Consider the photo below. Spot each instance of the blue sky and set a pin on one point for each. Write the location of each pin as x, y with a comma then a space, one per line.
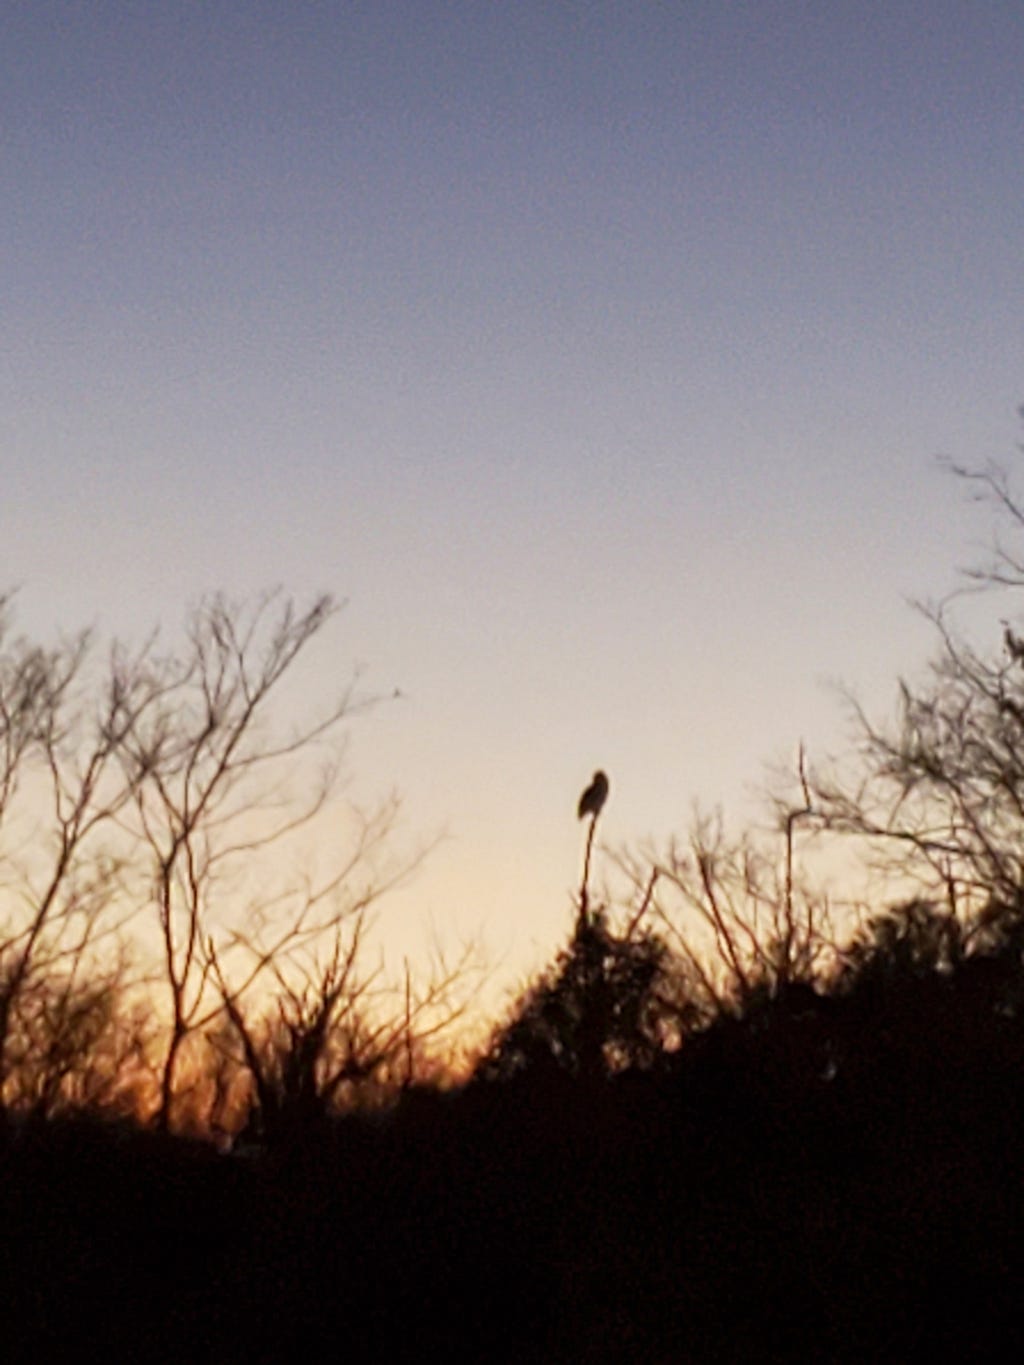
597, 354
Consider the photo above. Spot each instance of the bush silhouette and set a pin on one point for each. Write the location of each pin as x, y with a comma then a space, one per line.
599, 1009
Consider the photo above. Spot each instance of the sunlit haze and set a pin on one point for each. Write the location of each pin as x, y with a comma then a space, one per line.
598, 355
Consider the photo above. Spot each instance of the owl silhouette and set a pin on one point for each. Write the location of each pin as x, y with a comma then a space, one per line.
594, 797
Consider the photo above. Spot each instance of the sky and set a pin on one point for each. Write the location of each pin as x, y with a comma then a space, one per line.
597, 355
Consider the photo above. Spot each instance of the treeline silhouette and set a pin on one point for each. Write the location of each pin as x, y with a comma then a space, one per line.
824, 1168
714, 1129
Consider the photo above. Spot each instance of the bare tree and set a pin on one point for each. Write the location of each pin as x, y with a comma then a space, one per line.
740, 915
79, 1041
161, 787
213, 791
60, 751
939, 795
334, 1032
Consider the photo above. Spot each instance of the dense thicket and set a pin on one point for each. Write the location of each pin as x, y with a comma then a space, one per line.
826, 1172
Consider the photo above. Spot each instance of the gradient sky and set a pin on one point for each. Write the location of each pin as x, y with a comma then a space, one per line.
597, 353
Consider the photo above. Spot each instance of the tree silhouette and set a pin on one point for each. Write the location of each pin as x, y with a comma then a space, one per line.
940, 794
609, 1002
152, 785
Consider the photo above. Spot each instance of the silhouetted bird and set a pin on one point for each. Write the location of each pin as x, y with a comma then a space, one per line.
594, 797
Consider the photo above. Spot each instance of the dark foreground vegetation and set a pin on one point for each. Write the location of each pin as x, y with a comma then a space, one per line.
716, 1129
826, 1175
